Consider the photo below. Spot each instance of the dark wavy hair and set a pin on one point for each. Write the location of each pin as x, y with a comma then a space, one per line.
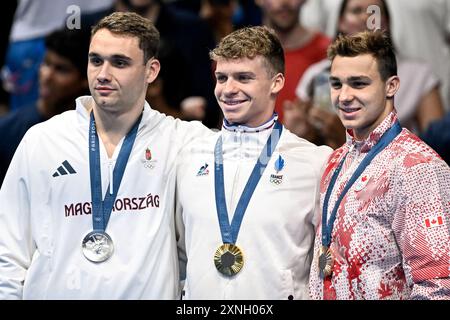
133, 25
376, 43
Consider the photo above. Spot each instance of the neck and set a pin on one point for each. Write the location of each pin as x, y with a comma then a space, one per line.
363, 134
112, 127
48, 110
265, 118
295, 38
44, 109
221, 29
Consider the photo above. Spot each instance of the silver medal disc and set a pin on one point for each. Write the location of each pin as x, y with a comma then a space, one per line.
97, 246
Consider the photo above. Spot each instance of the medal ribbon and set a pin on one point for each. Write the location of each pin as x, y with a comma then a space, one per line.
387, 137
101, 210
230, 232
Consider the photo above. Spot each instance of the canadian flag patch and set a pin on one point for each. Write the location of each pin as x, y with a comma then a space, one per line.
434, 221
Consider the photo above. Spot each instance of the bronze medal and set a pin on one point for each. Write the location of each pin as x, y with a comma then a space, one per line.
228, 259
326, 262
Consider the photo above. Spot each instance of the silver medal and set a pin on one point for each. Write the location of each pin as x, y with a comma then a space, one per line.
97, 246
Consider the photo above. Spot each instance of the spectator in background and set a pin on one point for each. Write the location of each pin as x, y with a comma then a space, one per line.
219, 15
62, 78
6, 19
420, 30
301, 45
418, 101
57, 230
246, 12
437, 136
33, 20
385, 194
187, 39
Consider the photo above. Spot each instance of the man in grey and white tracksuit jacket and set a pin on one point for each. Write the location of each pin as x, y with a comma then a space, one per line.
45, 211
56, 241
263, 251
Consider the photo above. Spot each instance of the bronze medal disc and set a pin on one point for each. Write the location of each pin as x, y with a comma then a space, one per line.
326, 262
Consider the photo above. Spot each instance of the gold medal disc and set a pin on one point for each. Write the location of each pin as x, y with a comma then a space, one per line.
228, 259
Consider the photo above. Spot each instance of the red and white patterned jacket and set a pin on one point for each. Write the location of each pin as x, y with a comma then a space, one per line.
391, 236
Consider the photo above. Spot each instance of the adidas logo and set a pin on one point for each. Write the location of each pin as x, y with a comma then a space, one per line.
66, 168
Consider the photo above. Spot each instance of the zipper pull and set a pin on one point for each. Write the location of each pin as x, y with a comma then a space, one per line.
111, 177
239, 134
351, 148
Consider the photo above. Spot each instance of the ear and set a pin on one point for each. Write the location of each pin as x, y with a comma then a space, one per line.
152, 69
392, 86
277, 83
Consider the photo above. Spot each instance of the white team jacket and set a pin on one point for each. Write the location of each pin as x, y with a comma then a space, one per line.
45, 213
277, 231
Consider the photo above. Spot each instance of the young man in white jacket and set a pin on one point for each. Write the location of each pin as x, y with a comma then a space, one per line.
247, 196
86, 208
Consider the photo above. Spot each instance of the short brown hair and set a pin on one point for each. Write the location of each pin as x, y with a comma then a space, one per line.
250, 42
376, 43
133, 25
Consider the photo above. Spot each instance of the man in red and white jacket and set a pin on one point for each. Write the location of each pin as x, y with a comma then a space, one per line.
385, 194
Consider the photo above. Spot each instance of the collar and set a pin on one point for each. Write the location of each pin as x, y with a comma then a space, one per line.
235, 127
84, 107
368, 143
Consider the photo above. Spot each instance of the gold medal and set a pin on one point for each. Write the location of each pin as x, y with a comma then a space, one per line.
228, 259
326, 262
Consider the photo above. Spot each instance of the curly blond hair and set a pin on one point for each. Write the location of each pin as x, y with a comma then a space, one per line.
250, 42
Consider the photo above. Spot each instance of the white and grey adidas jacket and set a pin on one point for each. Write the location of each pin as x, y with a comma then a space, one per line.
277, 231
45, 212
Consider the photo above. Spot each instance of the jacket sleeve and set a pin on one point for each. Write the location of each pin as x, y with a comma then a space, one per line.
187, 131
16, 244
180, 227
181, 245
422, 228
323, 157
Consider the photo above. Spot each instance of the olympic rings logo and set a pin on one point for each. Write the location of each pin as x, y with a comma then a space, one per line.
276, 181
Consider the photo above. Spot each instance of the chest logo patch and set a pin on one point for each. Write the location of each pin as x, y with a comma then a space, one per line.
277, 178
435, 221
203, 171
148, 160
362, 182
